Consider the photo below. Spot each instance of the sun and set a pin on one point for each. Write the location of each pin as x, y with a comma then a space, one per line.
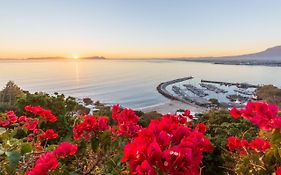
75, 57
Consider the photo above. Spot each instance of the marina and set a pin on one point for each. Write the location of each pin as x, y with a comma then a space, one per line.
212, 88
195, 90
239, 85
227, 94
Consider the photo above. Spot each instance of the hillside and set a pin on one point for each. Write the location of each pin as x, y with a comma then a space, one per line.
269, 57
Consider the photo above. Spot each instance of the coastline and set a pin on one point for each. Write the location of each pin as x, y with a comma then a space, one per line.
171, 106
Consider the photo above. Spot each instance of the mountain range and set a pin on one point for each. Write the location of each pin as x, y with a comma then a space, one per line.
270, 56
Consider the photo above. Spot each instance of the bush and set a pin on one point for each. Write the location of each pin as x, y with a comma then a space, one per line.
269, 93
221, 125
31, 143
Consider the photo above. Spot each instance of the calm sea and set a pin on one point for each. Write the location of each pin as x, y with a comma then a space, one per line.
131, 83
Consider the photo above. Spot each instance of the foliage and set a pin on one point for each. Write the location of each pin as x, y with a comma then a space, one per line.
31, 144
220, 126
9, 95
145, 118
269, 93
46, 134
260, 155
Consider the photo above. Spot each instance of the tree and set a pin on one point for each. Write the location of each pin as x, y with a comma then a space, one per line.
9, 95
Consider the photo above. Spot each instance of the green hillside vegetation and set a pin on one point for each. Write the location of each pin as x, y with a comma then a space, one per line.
270, 93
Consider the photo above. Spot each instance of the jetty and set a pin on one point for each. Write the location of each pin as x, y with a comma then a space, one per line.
162, 88
181, 95
195, 90
239, 85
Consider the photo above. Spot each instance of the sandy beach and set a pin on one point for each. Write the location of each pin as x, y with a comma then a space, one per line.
171, 106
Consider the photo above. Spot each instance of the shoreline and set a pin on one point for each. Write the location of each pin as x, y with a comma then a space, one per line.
171, 106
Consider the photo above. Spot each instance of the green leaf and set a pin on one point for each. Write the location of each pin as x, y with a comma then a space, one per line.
276, 137
26, 148
94, 143
13, 158
2, 130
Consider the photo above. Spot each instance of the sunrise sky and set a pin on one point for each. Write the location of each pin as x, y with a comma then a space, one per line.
137, 28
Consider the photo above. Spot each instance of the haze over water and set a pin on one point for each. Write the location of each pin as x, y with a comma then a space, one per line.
131, 83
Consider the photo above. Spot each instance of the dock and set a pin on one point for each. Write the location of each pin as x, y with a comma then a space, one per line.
239, 85
211, 87
195, 90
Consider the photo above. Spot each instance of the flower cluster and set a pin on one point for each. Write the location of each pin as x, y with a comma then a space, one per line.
242, 146
49, 134
90, 124
126, 121
259, 113
7, 119
38, 110
11, 118
167, 145
65, 149
48, 161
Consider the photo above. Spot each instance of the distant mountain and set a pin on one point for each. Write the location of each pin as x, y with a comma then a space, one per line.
270, 57
270, 52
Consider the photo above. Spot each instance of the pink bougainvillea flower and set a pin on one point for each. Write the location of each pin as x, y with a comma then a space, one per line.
65, 149
46, 163
38, 110
31, 124
90, 124
167, 145
264, 115
12, 117
201, 127
49, 134
259, 144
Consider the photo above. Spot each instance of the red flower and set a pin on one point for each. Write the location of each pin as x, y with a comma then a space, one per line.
46, 163
49, 134
4, 123
12, 117
23, 119
235, 113
167, 145
187, 114
145, 169
261, 114
154, 152
31, 124
201, 128
234, 143
278, 171
90, 124
38, 110
259, 144
102, 123
65, 149
127, 121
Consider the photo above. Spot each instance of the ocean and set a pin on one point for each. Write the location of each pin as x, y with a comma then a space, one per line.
131, 83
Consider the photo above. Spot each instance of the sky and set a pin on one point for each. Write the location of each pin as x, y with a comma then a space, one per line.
137, 28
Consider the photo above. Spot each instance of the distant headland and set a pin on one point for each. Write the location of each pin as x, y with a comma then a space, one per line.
58, 58
268, 57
